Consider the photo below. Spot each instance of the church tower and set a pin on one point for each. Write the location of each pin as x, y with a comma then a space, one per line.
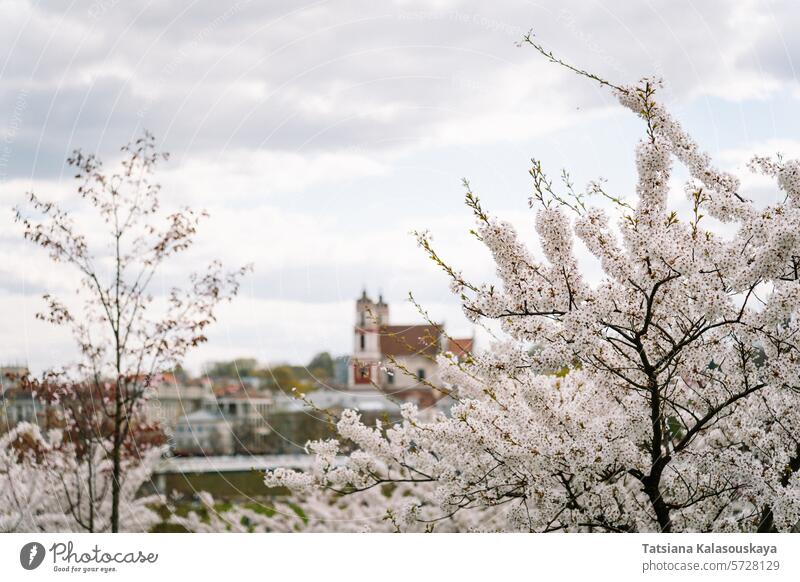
370, 316
382, 311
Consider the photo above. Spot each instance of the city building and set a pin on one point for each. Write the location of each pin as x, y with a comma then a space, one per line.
247, 414
170, 399
203, 432
17, 404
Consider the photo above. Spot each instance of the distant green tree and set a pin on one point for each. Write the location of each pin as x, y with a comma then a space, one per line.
237, 368
280, 378
321, 365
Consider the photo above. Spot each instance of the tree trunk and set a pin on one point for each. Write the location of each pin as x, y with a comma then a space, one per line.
653, 491
652, 482
116, 454
91, 488
767, 522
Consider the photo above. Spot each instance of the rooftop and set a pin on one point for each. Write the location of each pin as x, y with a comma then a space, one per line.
460, 347
409, 340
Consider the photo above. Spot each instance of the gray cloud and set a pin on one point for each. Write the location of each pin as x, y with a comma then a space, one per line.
331, 75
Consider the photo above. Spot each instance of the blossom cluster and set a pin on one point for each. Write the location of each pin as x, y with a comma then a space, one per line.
48, 486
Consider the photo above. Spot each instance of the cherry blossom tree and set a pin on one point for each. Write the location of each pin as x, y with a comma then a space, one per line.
72, 459
663, 397
48, 484
126, 335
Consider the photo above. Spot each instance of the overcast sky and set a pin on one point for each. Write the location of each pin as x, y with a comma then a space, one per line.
318, 134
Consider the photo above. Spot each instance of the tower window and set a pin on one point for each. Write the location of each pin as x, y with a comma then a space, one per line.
421, 373
362, 341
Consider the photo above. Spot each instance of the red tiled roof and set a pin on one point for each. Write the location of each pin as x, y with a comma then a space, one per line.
408, 340
460, 347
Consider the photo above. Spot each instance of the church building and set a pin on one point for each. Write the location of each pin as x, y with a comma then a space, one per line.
398, 359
